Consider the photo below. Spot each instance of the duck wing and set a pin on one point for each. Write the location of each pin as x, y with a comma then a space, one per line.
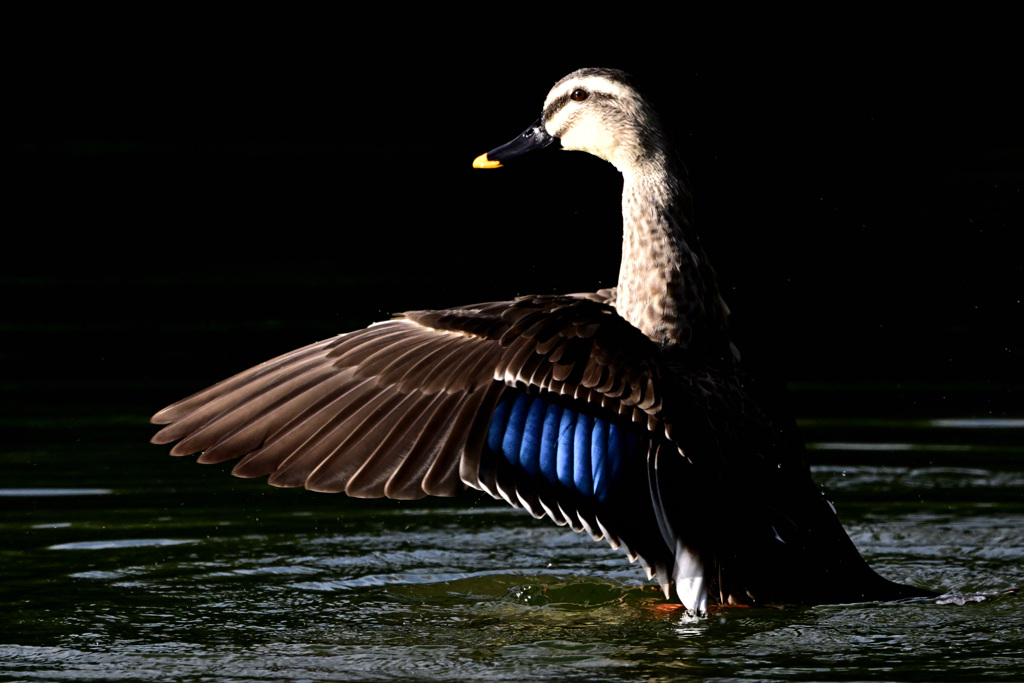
548, 402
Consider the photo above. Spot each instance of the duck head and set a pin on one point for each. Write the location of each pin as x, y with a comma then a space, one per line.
599, 111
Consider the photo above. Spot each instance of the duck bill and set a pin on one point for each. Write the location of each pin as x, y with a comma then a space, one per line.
534, 137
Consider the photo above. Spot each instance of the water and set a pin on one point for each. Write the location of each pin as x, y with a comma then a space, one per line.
121, 563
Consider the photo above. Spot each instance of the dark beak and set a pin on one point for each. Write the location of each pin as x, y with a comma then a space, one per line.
534, 137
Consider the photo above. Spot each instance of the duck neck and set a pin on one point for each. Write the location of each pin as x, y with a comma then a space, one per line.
666, 287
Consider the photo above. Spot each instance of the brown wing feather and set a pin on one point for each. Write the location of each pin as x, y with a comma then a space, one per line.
256, 377
401, 409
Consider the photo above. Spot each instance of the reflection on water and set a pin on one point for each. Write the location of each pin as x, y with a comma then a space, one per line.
157, 569
46, 493
977, 423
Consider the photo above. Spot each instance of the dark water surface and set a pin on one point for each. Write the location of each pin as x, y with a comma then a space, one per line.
118, 562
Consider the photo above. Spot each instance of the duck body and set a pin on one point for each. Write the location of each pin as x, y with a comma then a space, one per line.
623, 413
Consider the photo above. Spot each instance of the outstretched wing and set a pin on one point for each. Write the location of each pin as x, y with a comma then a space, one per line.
551, 403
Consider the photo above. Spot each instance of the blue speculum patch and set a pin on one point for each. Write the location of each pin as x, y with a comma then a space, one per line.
559, 445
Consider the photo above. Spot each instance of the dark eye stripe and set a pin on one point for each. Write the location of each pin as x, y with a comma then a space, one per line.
559, 102
555, 106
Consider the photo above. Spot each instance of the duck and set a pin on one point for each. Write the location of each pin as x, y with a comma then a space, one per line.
624, 413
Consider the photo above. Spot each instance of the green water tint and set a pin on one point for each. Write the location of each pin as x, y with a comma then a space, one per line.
119, 562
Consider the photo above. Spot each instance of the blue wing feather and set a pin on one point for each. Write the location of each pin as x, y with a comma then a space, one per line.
559, 446
599, 457
549, 443
581, 455
533, 438
496, 431
511, 444
566, 434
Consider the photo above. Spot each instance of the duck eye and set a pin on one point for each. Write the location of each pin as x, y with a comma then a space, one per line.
579, 94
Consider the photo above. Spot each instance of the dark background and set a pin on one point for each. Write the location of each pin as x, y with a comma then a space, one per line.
190, 194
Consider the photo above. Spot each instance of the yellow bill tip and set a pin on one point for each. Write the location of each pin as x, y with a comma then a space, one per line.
483, 162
